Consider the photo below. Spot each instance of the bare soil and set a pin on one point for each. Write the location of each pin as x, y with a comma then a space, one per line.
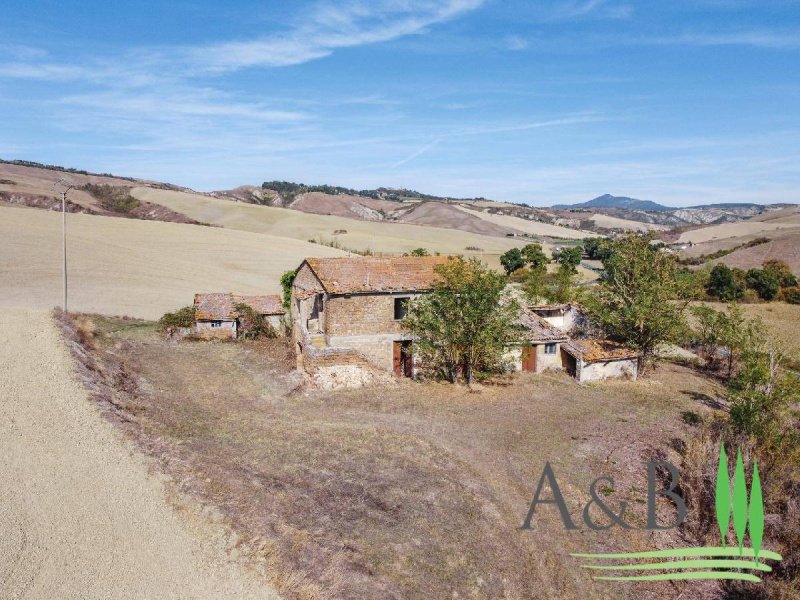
81, 514
414, 490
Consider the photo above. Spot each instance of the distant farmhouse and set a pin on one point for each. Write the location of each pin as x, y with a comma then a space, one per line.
346, 316
216, 315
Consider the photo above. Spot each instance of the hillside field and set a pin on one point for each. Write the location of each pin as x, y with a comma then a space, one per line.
136, 268
361, 235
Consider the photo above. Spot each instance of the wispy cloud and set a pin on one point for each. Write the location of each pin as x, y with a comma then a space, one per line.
416, 153
757, 38
328, 27
515, 42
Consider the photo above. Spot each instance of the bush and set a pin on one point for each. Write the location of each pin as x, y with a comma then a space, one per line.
764, 282
183, 317
791, 295
286, 285
113, 198
251, 324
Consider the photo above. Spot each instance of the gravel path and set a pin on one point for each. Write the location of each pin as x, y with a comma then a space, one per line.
80, 517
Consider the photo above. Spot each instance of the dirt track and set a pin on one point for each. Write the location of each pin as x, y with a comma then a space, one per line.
80, 517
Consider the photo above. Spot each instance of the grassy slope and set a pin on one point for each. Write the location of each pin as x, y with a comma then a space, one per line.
782, 320
618, 223
361, 235
751, 227
138, 268
531, 227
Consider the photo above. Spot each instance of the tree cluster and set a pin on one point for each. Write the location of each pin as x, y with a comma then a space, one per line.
767, 283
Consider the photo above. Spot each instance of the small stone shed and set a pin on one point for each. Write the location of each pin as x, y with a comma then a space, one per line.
346, 313
216, 316
597, 359
539, 346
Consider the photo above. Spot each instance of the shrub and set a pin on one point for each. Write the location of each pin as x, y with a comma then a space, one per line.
791, 295
183, 317
251, 324
286, 285
113, 198
722, 284
764, 282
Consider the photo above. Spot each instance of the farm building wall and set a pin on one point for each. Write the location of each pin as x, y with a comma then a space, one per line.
207, 330
544, 362
598, 371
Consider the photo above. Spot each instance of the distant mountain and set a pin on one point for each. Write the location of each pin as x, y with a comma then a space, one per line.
609, 201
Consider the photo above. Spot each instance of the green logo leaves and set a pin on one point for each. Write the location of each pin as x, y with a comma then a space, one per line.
746, 516
722, 562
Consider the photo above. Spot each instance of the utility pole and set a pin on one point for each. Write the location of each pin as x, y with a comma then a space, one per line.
63, 186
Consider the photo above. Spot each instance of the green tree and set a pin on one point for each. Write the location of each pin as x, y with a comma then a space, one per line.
764, 282
762, 393
722, 284
286, 285
596, 248
562, 289
709, 330
534, 285
639, 301
571, 257
512, 260
534, 256
781, 271
419, 252
466, 321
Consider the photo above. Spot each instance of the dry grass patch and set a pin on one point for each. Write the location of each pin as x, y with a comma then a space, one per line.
408, 491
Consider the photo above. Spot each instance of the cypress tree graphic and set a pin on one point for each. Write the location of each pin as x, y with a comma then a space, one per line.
739, 501
723, 494
756, 512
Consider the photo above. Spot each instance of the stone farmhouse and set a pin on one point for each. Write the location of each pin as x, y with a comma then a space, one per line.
216, 316
346, 315
539, 347
584, 354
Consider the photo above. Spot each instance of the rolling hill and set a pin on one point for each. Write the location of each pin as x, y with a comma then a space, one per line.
609, 201
137, 268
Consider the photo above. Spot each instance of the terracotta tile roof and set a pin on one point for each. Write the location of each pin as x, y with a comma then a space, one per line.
595, 350
536, 329
349, 275
264, 305
220, 306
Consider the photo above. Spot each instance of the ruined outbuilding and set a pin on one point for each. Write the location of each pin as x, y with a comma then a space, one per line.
216, 315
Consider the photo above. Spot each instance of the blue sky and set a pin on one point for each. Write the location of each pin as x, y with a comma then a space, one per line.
682, 102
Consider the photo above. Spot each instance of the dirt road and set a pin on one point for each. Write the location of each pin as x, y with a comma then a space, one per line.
80, 517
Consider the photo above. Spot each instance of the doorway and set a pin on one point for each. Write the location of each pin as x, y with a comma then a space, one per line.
529, 358
403, 359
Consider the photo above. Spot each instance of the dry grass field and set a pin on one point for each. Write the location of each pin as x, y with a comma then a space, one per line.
768, 224
361, 235
782, 321
530, 227
610, 222
415, 490
137, 268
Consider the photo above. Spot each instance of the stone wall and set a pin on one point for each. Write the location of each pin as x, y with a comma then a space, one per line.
333, 368
599, 371
362, 314
226, 330
544, 362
